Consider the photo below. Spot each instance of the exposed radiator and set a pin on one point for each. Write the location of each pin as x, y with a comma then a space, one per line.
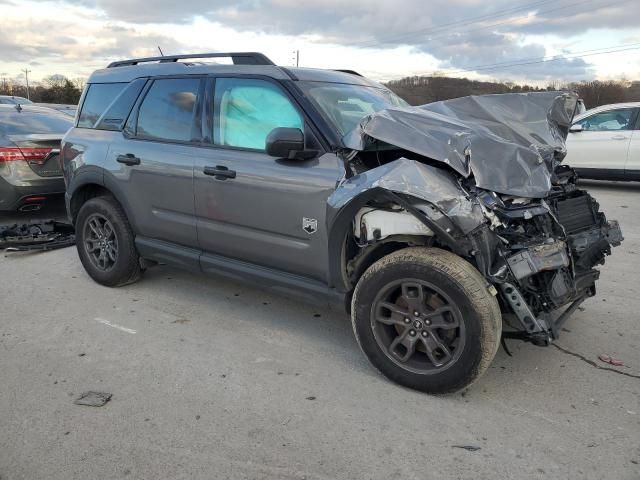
576, 214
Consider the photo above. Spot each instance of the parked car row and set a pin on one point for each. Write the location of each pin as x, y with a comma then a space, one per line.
427, 224
604, 143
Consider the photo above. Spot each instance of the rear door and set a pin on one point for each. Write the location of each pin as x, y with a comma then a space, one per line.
264, 210
602, 147
151, 161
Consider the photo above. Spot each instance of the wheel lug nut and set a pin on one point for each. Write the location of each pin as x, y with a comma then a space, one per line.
424, 333
427, 322
406, 320
416, 313
412, 333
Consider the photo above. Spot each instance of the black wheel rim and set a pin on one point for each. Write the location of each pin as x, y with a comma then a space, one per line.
417, 326
100, 242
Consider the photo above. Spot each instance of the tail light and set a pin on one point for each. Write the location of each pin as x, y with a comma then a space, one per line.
31, 155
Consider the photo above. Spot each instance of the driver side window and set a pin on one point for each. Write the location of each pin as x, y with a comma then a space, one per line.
246, 110
606, 121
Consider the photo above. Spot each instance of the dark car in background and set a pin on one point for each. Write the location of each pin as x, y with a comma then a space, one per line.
13, 100
29, 146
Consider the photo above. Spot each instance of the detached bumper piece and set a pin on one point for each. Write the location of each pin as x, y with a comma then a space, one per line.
40, 236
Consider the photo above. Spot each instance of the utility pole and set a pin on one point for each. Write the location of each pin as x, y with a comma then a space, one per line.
26, 76
297, 58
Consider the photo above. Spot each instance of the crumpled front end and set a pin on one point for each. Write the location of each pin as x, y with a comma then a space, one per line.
544, 262
482, 177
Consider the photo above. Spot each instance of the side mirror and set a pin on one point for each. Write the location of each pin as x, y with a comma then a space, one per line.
576, 128
288, 143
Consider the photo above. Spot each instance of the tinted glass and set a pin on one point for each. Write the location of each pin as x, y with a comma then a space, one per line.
344, 105
26, 123
247, 110
99, 96
606, 121
167, 110
117, 113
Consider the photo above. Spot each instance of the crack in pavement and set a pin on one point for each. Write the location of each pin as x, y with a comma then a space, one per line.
592, 363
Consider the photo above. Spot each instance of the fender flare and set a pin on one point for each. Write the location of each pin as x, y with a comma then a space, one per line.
93, 175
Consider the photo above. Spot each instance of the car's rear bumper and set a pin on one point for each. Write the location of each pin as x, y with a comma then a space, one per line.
14, 197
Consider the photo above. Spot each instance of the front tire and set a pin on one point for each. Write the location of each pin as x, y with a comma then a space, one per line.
105, 243
425, 318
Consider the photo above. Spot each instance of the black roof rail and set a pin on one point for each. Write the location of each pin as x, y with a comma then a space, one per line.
352, 72
239, 58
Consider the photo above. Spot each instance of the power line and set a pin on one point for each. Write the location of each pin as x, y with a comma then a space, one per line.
508, 21
565, 56
467, 21
522, 62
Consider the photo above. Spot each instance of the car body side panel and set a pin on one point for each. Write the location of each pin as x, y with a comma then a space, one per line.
598, 149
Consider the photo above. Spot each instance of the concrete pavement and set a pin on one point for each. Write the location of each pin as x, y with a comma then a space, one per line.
212, 379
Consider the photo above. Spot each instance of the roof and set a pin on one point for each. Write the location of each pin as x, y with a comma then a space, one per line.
127, 70
610, 106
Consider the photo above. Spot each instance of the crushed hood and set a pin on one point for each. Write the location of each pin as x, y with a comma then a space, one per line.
510, 143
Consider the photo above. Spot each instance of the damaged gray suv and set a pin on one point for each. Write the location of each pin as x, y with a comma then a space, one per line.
434, 226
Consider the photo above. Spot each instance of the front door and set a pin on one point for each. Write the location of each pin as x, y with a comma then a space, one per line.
253, 207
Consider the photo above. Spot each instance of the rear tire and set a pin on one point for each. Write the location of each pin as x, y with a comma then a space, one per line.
105, 243
425, 318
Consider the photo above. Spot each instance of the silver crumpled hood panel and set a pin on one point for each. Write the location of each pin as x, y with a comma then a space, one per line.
511, 143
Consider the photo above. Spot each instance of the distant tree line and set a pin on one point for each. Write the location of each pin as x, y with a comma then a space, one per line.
416, 90
421, 90
52, 89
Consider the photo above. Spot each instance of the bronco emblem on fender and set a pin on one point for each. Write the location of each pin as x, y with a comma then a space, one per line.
309, 225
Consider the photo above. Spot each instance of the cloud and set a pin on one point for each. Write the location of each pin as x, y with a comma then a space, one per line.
459, 34
384, 24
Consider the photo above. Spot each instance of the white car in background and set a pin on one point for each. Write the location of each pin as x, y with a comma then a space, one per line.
604, 143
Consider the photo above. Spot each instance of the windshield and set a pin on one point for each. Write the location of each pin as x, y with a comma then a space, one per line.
344, 105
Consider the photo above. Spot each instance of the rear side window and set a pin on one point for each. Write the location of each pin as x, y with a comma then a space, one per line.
99, 96
28, 123
167, 111
246, 110
116, 114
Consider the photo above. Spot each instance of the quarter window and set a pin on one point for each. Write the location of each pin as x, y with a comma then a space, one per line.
167, 111
612, 120
246, 110
98, 97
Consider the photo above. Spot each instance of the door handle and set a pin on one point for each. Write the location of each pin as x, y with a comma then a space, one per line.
128, 159
219, 172
619, 137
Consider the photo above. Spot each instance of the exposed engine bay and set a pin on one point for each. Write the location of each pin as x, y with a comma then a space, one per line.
534, 235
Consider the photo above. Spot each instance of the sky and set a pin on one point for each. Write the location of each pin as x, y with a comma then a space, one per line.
382, 39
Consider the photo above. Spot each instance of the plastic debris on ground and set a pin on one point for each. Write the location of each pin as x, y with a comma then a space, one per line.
610, 360
36, 236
